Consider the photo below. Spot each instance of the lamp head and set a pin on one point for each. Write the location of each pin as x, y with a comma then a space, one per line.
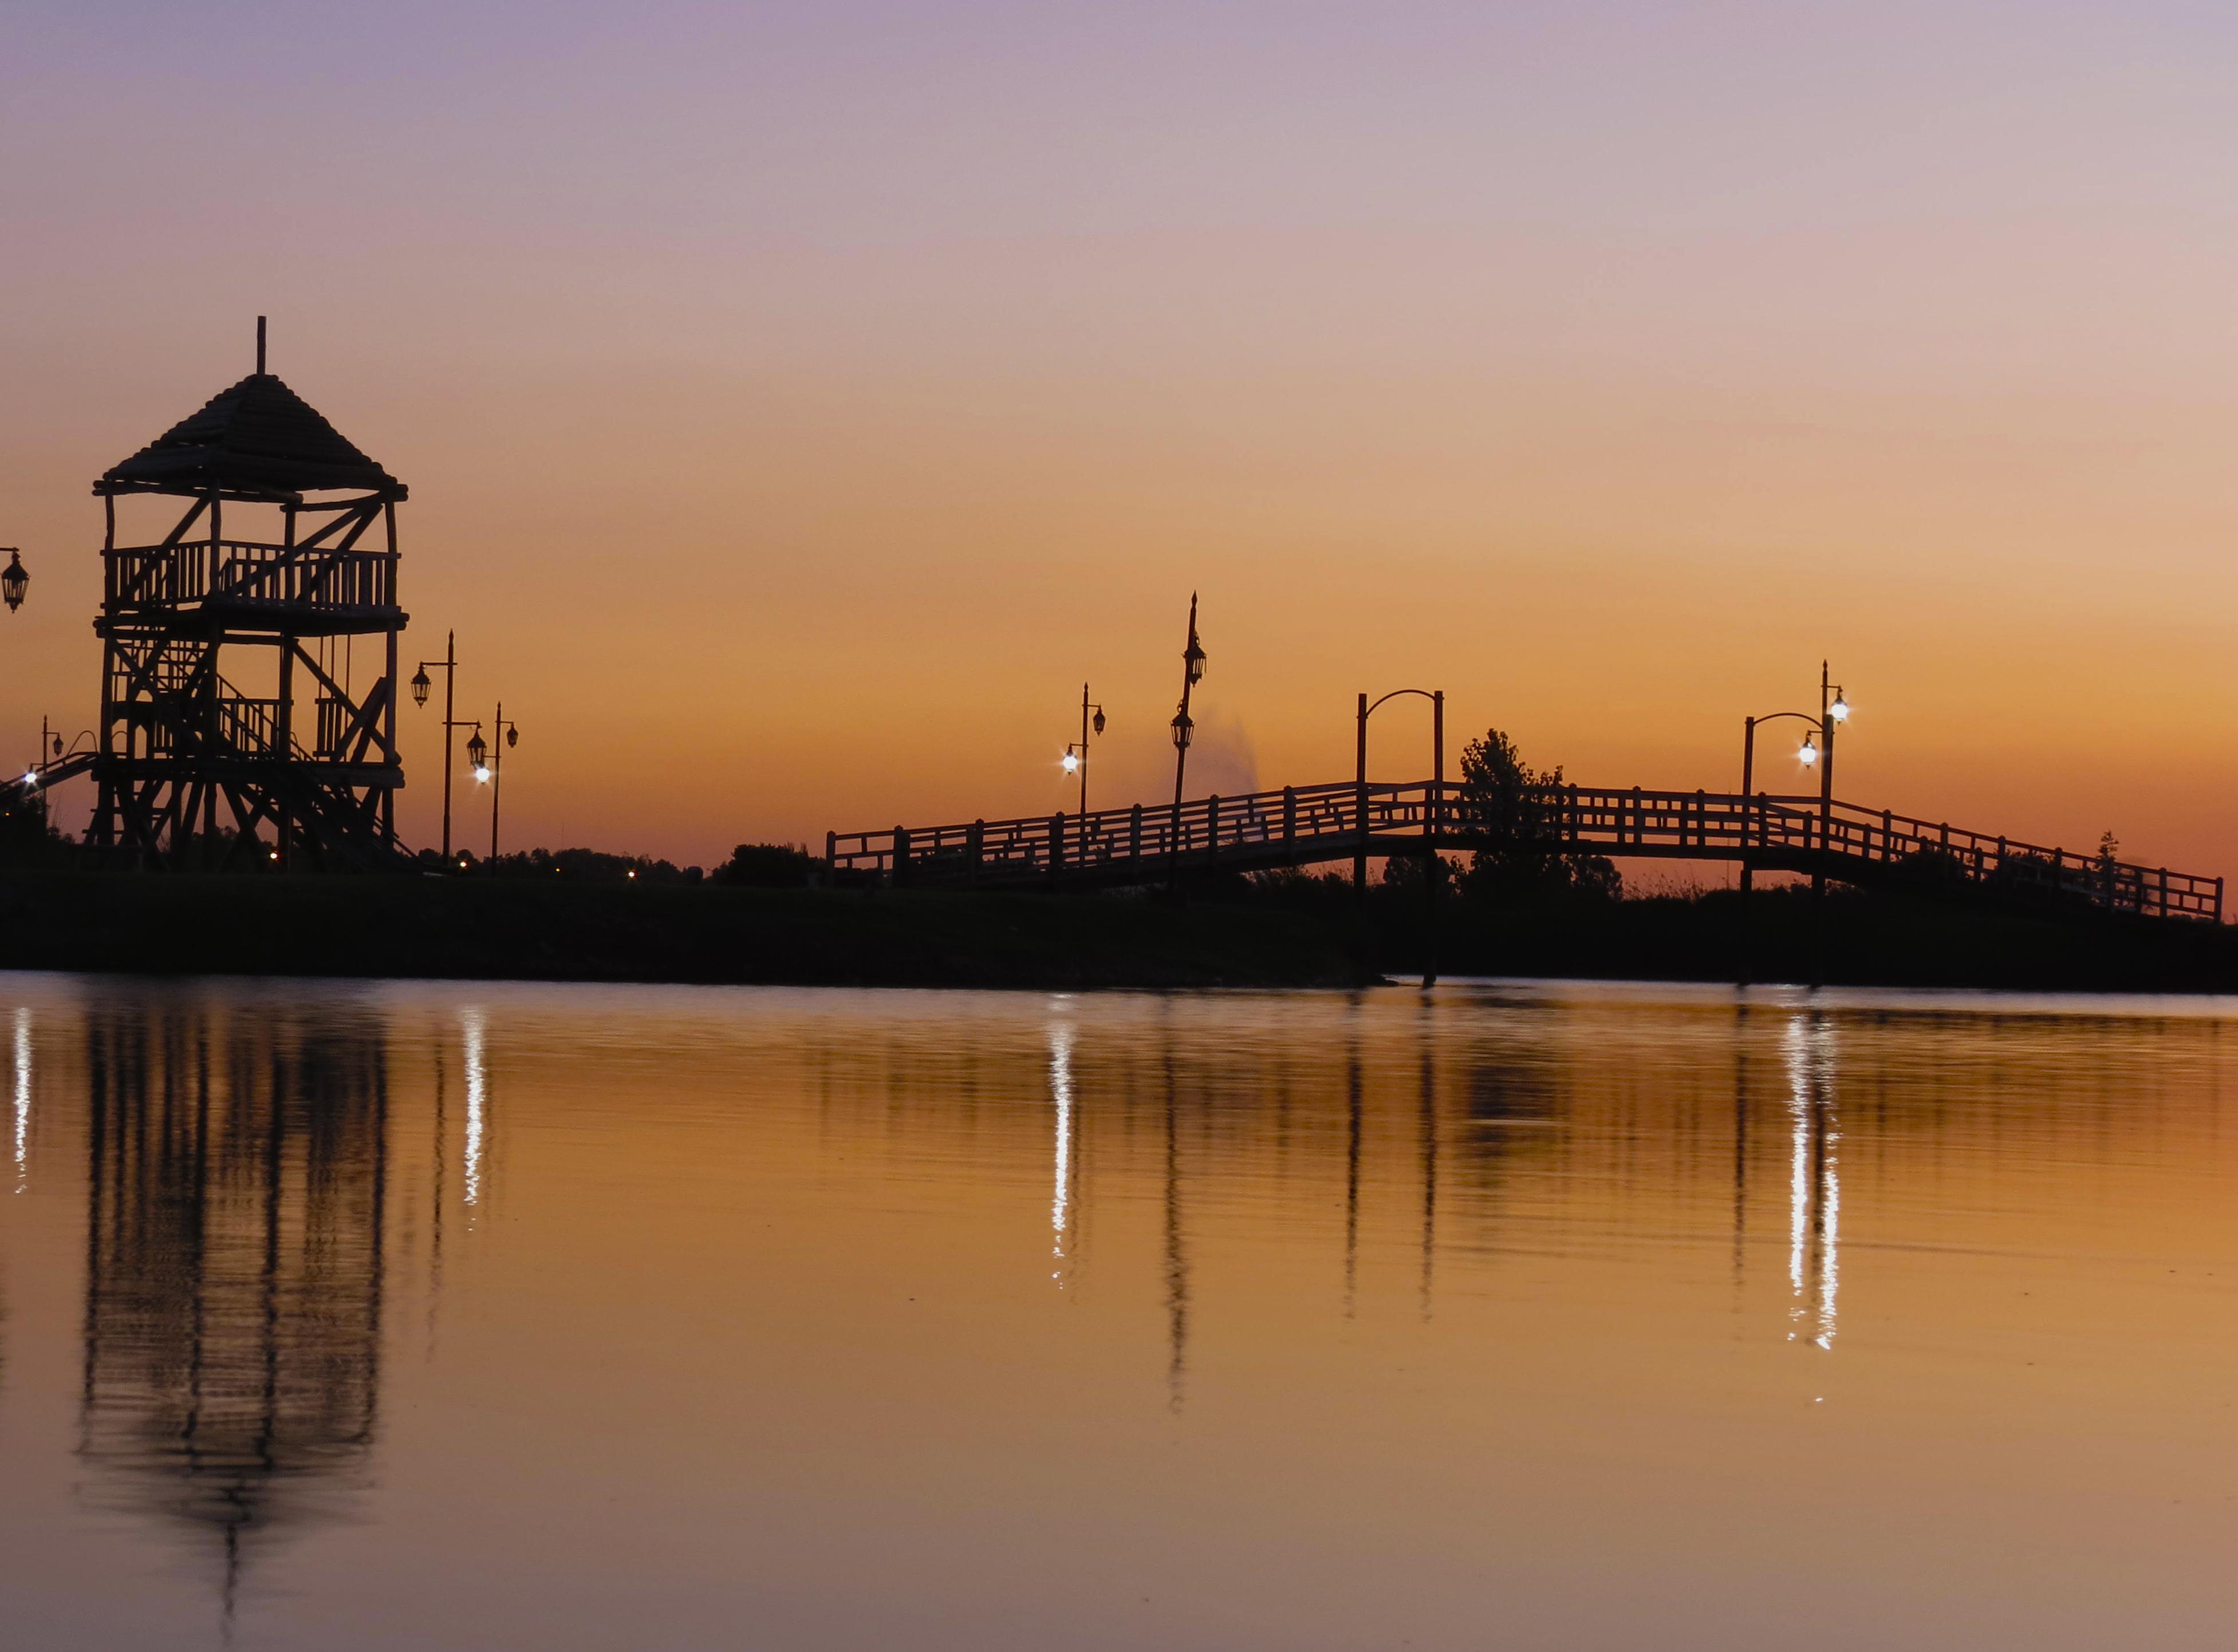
1071, 762
1840, 710
1194, 660
1183, 726
420, 686
1099, 719
14, 580
1809, 755
512, 735
477, 749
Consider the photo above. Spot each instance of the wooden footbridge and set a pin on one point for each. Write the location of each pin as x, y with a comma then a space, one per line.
1311, 825
1347, 820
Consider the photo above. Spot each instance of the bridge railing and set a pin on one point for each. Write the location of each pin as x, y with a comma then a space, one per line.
1305, 824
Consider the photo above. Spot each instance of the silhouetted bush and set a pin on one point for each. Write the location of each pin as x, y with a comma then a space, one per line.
768, 866
26, 839
583, 866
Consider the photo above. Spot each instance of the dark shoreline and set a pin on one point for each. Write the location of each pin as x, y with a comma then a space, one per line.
506, 929
516, 929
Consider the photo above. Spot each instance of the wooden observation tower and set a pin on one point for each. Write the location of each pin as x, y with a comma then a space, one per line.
237, 724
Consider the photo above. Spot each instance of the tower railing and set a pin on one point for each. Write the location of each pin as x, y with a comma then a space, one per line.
249, 572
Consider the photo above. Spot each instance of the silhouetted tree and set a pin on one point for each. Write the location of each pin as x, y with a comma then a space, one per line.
1514, 812
768, 866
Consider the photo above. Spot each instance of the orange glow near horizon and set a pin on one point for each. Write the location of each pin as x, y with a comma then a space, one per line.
778, 485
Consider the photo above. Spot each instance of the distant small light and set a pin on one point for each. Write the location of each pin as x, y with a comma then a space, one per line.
273, 854
632, 872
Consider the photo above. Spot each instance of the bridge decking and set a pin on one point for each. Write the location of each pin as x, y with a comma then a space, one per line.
1304, 825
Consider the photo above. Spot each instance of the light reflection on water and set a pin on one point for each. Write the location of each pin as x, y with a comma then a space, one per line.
835, 1319
22, 1118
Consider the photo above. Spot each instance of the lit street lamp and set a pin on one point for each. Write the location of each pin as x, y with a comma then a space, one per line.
1075, 756
1815, 752
13, 581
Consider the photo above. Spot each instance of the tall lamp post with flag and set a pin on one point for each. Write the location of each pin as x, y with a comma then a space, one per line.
1184, 729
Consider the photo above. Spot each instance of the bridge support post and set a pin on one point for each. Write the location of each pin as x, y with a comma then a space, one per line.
1134, 840
1289, 825
1431, 865
900, 856
1056, 847
1212, 829
1360, 810
975, 845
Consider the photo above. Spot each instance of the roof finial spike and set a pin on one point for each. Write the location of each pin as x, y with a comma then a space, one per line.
260, 346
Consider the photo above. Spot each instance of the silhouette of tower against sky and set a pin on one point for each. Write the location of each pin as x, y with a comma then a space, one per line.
237, 722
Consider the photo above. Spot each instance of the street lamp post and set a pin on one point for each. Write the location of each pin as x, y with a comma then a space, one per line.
1817, 752
509, 735
1433, 809
449, 663
14, 581
1076, 756
1184, 728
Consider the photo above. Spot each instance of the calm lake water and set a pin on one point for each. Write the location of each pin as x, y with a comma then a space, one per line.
453, 1315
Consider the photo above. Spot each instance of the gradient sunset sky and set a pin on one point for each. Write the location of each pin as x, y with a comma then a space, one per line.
798, 402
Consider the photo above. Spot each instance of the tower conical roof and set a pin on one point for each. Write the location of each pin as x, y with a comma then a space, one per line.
259, 439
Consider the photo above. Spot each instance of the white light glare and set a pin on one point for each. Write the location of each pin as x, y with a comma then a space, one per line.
481, 777
1808, 755
31, 777
1071, 763
1840, 711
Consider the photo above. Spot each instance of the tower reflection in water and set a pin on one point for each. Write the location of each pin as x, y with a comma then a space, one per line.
237, 1165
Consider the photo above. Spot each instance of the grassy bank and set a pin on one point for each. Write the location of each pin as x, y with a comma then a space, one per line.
516, 929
